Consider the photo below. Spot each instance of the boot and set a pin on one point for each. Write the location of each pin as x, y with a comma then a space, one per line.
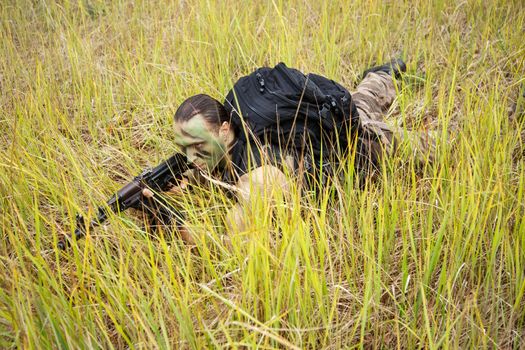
394, 67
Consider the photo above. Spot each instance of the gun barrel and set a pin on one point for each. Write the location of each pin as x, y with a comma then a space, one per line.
80, 229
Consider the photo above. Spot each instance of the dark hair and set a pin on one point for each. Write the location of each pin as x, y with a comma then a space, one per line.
211, 110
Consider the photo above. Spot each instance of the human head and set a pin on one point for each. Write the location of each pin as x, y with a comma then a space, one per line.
203, 131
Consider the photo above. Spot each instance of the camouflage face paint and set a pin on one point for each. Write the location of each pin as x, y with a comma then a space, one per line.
201, 143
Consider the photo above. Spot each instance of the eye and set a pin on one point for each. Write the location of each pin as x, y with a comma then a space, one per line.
200, 148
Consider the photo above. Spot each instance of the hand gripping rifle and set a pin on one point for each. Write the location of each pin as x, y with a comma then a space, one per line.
159, 179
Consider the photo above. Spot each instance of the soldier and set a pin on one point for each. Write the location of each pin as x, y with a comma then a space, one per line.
279, 120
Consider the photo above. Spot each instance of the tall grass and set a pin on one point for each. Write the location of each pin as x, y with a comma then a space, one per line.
420, 258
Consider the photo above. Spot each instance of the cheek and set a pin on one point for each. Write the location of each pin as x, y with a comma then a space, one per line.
215, 156
212, 150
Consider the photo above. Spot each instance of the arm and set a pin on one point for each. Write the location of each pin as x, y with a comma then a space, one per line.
264, 182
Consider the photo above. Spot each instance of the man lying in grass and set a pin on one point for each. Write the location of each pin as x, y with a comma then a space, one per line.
278, 120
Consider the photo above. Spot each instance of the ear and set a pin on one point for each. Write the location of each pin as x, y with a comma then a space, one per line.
224, 131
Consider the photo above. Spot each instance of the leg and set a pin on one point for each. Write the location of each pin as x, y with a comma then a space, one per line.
374, 96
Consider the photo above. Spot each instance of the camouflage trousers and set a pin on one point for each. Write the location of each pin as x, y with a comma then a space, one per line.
377, 138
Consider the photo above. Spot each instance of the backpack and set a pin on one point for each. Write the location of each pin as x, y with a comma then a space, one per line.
283, 106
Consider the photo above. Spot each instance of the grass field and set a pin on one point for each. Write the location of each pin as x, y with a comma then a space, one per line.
421, 258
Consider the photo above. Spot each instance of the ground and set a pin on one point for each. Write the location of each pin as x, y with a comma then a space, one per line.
419, 258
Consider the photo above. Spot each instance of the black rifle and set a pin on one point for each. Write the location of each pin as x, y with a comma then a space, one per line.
159, 179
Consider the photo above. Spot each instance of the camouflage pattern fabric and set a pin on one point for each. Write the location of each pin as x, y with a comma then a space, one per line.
376, 138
